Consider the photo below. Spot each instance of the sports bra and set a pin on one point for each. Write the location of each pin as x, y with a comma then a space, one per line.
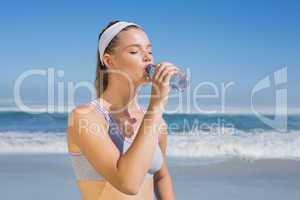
83, 168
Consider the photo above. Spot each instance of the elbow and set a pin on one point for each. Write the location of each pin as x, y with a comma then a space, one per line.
128, 182
129, 188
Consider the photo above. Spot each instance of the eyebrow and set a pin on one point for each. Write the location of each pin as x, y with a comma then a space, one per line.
138, 45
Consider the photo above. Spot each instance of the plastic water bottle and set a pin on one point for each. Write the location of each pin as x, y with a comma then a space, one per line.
178, 81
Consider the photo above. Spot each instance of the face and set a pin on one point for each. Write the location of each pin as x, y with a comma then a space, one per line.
132, 54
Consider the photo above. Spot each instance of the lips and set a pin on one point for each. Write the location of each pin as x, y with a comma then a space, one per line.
145, 66
145, 70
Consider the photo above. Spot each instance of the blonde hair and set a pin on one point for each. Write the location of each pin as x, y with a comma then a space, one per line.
101, 80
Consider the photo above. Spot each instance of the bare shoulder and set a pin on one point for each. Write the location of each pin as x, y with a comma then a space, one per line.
82, 110
84, 116
79, 111
73, 118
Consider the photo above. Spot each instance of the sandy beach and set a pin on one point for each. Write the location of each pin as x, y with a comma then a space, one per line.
50, 176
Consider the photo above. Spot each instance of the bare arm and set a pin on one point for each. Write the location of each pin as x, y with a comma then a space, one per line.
163, 186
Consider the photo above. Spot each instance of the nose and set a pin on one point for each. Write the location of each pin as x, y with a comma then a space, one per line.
147, 57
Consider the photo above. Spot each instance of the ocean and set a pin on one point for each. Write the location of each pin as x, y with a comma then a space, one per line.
209, 156
197, 136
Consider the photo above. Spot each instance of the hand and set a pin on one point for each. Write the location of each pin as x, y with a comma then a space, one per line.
160, 84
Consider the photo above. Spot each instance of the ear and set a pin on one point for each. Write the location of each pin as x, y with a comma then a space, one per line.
108, 61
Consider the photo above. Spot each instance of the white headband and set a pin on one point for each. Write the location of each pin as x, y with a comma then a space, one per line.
109, 34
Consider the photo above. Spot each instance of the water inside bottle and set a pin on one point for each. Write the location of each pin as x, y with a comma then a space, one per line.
178, 81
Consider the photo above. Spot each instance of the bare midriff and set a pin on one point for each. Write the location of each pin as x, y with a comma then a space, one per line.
100, 190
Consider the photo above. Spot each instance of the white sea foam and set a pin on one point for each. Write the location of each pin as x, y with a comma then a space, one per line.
17, 142
242, 145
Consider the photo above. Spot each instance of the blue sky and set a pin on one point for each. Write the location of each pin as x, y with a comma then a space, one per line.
219, 41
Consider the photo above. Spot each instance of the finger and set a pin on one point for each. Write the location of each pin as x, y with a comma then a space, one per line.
158, 70
165, 63
167, 77
165, 71
160, 66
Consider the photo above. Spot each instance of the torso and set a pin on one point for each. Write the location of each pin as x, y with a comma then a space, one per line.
99, 190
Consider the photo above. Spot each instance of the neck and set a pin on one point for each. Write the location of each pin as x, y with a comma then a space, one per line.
119, 98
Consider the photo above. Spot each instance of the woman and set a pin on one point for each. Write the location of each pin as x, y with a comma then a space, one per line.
117, 149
